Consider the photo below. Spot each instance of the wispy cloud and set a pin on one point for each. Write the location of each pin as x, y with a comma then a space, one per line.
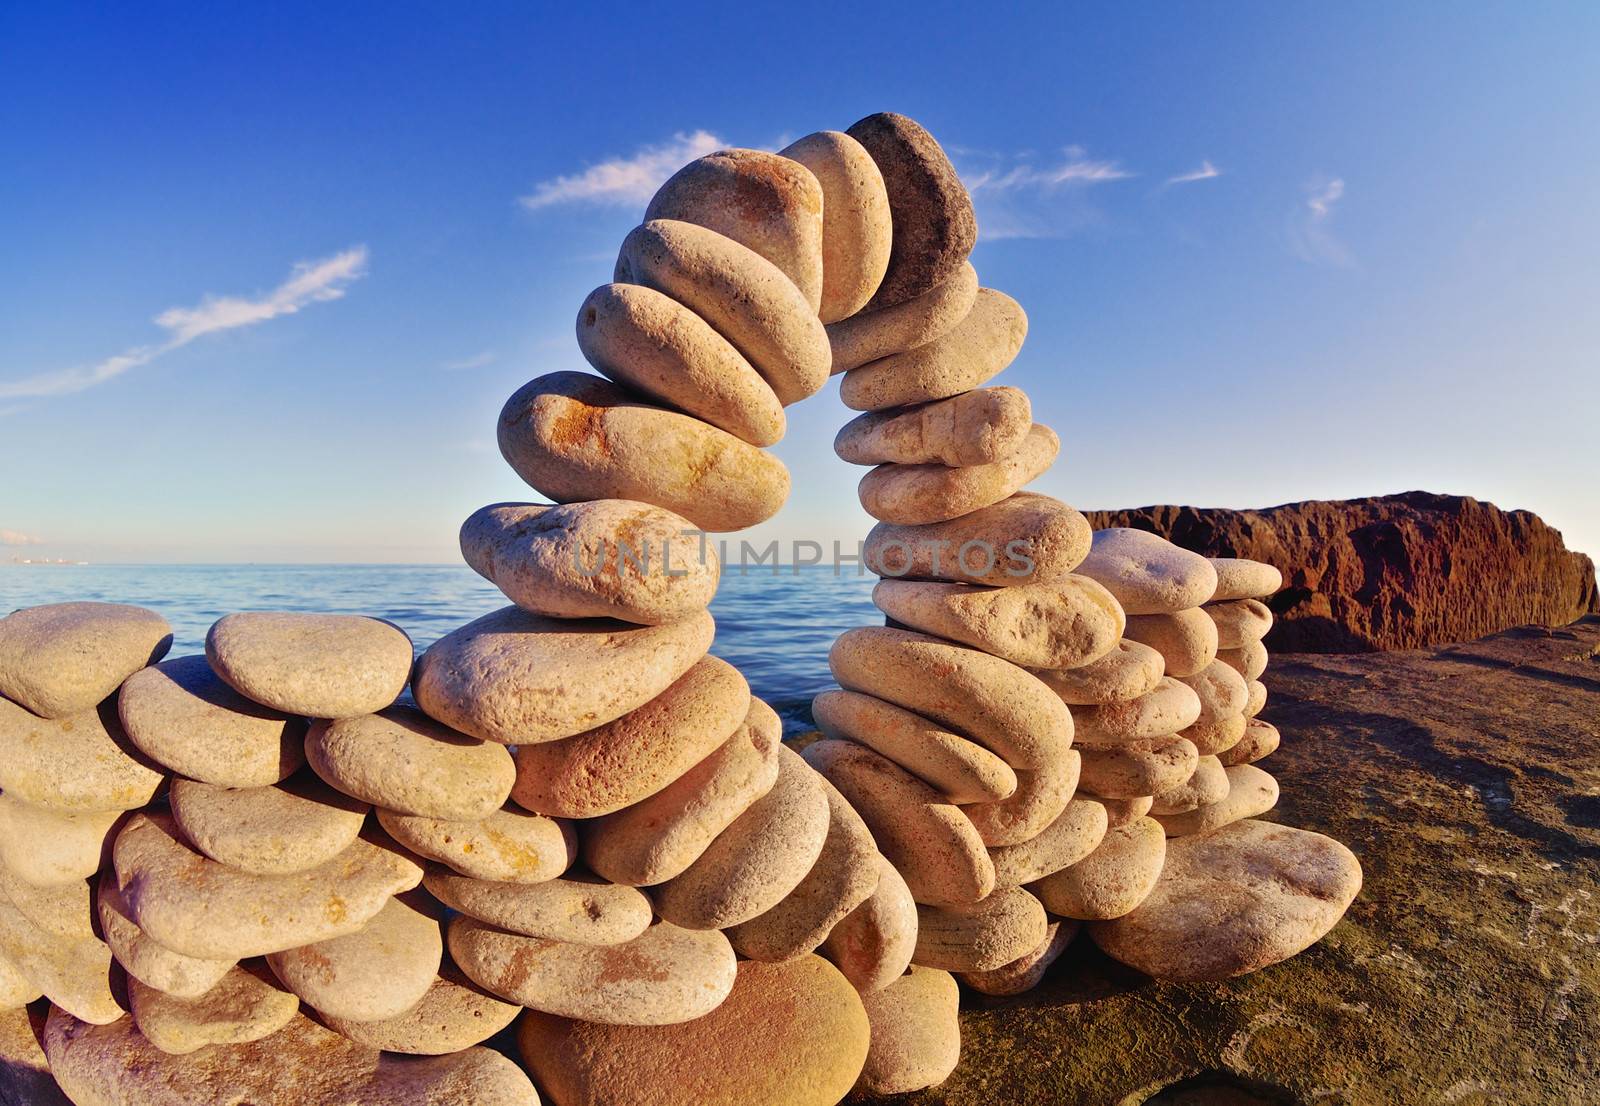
1310, 231
309, 282
476, 361
624, 181
1207, 171
17, 537
1020, 195
1076, 167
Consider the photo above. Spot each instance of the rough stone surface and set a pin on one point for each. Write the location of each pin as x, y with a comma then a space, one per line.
268, 831
1131, 769
579, 910
1250, 792
1186, 640
1126, 672
1025, 972
1216, 736
980, 936
1113, 879
380, 971
975, 351
1165, 709
1025, 539
455, 1014
1076, 832
916, 1035
973, 428
318, 665
874, 943
510, 845
1240, 622
67, 658
1208, 785
244, 1006
917, 495
166, 971
1041, 796
1242, 578
1148, 574
1260, 741
870, 335
82, 764
962, 771
47, 847
1222, 691
857, 229
69, 965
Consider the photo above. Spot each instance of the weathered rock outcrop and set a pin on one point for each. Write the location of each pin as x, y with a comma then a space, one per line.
1389, 571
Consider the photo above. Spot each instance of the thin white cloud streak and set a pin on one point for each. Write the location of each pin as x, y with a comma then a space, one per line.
624, 181
1076, 169
1207, 171
309, 282
476, 361
1018, 198
1310, 233
1322, 201
17, 537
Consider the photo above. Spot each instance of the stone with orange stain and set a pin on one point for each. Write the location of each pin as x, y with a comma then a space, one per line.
268, 831
380, 971
80, 764
509, 846
582, 909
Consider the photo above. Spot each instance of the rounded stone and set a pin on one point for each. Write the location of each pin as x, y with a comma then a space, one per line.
268, 831
63, 909
1165, 709
317, 665
15, 992
1147, 573
1208, 785
1025, 972
1222, 691
654, 345
916, 495
169, 972
64, 959
182, 715
1120, 812
618, 764
659, 837
402, 760
1025, 539
977, 937
1217, 736
520, 678
1041, 796
1136, 768
608, 558
1234, 901
857, 230
81, 764
973, 428
1249, 661
745, 298
663, 976
1260, 740
45, 847
1255, 697
509, 846
455, 1014
977, 349
1251, 792
994, 702
380, 971
873, 944
1128, 671
870, 335
65, 659
1240, 578
1186, 640
934, 225
242, 1007
1240, 622
1076, 832
1111, 881
582, 911
916, 1034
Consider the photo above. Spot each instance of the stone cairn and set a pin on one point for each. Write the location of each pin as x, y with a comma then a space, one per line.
268, 874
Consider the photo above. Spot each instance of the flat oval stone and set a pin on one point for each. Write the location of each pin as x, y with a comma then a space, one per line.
1249, 661
663, 976
1147, 573
1187, 640
653, 344
870, 335
1251, 792
169, 972
1002, 707
380, 971
72, 969
975, 937
520, 678
47, 847
915, 495
1208, 785
193, 905
1120, 812
1255, 697
573, 436
582, 911
761, 857
1076, 832
934, 226
1222, 691
242, 1007
509, 846
268, 831
1260, 740
1240, 578
1041, 796
1135, 768
960, 770
182, 715
1165, 709
65, 659
745, 298
1240, 622
301, 1063
931, 842
1218, 736
976, 350
916, 1035
455, 1014
857, 231
402, 760
615, 765
973, 428
1234, 901
1027, 538
317, 665
873, 944
1025, 972
1126, 672
609, 558
1111, 881
660, 837
82, 764
764, 201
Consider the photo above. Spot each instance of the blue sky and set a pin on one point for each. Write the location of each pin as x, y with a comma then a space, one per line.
270, 274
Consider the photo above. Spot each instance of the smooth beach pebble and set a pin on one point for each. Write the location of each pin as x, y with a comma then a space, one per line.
63, 909
509, 846
1208, 785
792, 1033
653, 344
1255, 697
317, 665
81, 764
573, 436
1119, 812
15, 991
934, 226
1260, 740
1128, 671
455, 1014
1239, 578
746, 298
609, 558
1062, 624
960, 770
616, 765
1221, 689
1041, 795
1147, 573
994, 702
763, 201
1076, 832
47, 847
72, 969
1250, 661
1217, 736
67, 658
873, 944
380, 971
242, 1007
1112, 880
1137, 768
1240, 622
977, 349
870, 335
977, 937
581, 911
302, 1063
916, 1035
1025, 972
1186, 640
973, 428
1025, 539
1234, 901
857, 231
663, 976
930, 841
1165, 709
182, 715
193, 905
660, 837
402, 760
916, 495
519, 678
268, 831
1251, 792
169, 972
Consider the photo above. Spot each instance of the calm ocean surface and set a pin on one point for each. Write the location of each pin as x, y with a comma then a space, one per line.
775, 628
